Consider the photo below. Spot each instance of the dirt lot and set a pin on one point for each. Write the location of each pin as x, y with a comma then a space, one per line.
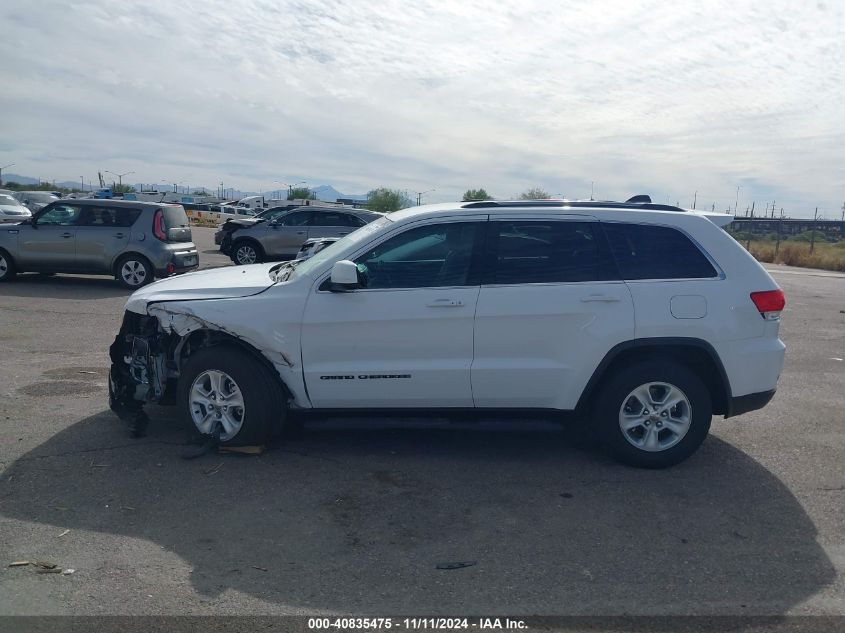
356, 516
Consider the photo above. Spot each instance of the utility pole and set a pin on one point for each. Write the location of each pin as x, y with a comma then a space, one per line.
592, 183
694, 200
82, 182
750, 228
13, 164
120, 176
813, 234
843, 212
738, 187
773, 208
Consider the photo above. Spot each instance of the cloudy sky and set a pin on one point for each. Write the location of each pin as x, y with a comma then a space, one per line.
666, 98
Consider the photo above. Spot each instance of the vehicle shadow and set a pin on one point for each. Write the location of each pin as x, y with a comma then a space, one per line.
63, 287
356, 520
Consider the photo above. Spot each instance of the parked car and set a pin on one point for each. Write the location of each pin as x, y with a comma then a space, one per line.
234, 224
11, 210
281, 237
314, 245
525, 306
134, 241
35, 200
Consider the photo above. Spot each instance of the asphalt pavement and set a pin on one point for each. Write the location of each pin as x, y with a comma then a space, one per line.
362, 516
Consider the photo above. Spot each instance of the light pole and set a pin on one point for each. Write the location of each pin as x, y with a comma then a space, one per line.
1, 172
736, 203
290, 187
420, 195
120, 177
694, 200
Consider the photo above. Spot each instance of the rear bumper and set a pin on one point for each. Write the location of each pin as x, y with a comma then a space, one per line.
749, 402
182, 262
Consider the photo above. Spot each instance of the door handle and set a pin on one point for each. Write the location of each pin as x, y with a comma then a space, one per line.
67, 235
118, 235
600, 299
300, 232
445, 303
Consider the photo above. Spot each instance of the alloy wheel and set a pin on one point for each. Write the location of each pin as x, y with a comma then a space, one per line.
133, 272
655, 416
217, 401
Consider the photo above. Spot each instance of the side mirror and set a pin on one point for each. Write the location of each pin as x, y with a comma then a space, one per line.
344, 276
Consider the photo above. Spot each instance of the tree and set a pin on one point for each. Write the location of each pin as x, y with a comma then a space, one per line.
535, 193
301, 193
121, 189
386, 200
476, 194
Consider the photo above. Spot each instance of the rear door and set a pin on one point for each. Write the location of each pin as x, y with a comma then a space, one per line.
50, 244
333, 224
102, 235
550, 307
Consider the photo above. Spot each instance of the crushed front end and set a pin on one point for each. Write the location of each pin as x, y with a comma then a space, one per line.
140, 370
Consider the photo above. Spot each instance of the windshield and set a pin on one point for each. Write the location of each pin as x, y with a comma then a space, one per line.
9, 201
337, 251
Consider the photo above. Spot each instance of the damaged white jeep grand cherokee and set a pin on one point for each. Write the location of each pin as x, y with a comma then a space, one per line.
641, 319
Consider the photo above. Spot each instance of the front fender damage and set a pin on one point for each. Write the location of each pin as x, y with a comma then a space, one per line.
146, 357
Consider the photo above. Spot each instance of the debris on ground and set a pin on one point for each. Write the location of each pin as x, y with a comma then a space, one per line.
208, 444
259, 568
68, 572
211, 471
243, 450
45, 565
457, 564
19, 563
49, 570
63, 533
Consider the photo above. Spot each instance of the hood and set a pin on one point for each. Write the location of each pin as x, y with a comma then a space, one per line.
12, 209
233, 224
217, 283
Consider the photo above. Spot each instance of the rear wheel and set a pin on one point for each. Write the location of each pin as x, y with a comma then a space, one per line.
654, 414
225, 392
7, 266
247, 252
134, 271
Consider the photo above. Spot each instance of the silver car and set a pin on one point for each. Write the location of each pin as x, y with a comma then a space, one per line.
281, 237
11, 210
36, 200
133, 241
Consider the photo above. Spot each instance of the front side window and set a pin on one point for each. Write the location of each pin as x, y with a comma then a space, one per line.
644, 251
536, 251
60, 215
424, 257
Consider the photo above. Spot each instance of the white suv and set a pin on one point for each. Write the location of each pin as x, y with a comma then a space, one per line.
641, 319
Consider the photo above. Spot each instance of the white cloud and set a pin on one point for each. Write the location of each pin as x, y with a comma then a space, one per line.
640, 96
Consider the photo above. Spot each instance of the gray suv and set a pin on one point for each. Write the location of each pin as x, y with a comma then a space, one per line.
134, 241
282, 236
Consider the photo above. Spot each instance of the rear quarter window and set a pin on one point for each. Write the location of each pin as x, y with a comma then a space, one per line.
644, 251
175, 216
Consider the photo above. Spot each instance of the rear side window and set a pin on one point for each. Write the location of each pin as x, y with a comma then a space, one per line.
656, 252
120, 217
175, 216
335, 219
534, 251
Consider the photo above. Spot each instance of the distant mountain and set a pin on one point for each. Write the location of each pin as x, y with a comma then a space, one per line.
326, 193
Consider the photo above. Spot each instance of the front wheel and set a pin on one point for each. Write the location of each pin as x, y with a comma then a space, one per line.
226, 393
654, 414
247, 252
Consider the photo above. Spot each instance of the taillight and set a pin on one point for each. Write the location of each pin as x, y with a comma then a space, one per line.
770, 303
158, 226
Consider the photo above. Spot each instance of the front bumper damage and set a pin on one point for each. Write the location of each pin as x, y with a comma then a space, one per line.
139, 371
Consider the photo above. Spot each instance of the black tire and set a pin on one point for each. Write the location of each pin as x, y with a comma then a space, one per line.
241, 252
139, 274
614, 395
7, 267
264, 406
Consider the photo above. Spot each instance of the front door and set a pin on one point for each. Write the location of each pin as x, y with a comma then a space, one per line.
550, 307
283, 236
50, 244
405, 338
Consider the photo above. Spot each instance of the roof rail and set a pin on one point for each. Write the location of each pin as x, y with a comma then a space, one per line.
573, 204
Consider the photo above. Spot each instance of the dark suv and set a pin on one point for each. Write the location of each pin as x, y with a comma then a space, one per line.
134, 241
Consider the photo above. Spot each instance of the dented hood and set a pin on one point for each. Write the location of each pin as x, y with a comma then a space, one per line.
218, 283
